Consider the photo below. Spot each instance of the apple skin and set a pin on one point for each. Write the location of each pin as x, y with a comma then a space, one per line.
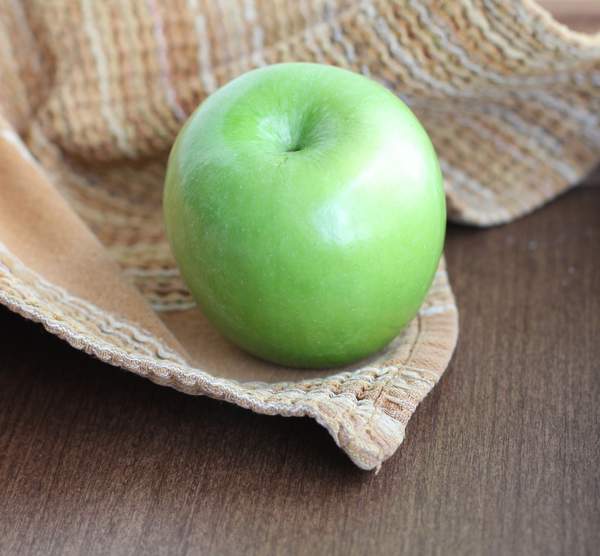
305, 208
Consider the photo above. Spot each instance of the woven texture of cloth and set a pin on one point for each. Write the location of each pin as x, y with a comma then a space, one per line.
93, 93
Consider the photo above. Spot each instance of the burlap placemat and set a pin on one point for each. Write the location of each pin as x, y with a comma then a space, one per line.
93, 93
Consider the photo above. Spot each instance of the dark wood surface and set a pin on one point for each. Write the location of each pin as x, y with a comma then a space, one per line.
502, 458
580, 15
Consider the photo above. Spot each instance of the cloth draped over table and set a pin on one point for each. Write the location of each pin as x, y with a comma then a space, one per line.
92, 95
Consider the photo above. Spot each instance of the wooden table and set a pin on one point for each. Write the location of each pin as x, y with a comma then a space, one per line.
502, 458
580, 15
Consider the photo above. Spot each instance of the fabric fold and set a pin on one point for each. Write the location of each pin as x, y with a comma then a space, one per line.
93, 93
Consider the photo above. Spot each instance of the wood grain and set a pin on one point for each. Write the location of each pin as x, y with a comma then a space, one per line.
502, 458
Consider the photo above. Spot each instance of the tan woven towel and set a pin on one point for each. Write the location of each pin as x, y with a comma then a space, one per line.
93, 93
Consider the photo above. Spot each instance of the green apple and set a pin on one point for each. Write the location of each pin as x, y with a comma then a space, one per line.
305, 208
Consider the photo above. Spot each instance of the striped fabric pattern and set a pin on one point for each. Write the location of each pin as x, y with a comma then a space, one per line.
93, 93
